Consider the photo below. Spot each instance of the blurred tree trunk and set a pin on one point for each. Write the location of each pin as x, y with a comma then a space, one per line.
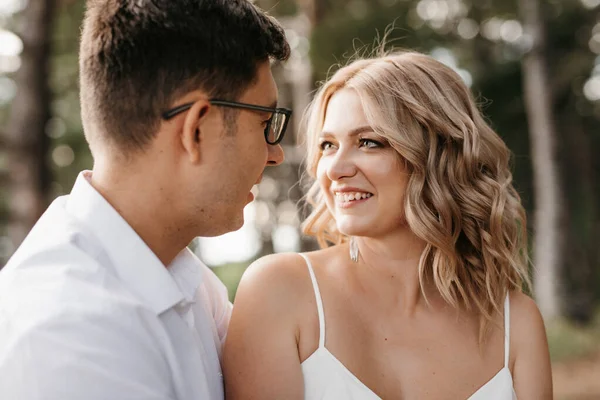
547, 246
581, 245
27, 143
313, 9
580, 177
295, 82
304, 86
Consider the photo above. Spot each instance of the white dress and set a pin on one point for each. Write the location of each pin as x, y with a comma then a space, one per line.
326, 378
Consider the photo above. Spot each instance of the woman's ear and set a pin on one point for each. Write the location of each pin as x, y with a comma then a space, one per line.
190, 135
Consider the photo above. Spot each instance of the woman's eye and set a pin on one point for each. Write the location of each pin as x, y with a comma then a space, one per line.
369, 143
325, 145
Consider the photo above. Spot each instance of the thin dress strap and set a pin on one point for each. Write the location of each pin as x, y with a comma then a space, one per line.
506, 330
313, 278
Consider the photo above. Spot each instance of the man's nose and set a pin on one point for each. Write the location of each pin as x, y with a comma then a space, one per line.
275, 156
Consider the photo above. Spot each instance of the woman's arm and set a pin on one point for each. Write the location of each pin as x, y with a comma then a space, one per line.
532, 373
261, 351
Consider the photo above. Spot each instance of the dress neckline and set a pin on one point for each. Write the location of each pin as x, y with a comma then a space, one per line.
332, 357
322, 349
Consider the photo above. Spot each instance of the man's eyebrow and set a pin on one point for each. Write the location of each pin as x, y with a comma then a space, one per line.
353, 132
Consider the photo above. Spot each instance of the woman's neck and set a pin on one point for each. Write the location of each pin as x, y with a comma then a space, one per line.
390, 267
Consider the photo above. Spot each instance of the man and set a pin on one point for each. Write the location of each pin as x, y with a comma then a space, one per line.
103, 300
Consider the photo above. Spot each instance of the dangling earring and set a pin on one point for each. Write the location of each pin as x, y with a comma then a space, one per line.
353, 249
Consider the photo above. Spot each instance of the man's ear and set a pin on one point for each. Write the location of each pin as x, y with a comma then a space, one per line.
190, 135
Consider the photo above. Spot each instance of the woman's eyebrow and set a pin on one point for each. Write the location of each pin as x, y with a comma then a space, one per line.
353, 132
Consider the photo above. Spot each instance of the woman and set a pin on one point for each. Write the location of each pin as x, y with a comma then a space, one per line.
416, 293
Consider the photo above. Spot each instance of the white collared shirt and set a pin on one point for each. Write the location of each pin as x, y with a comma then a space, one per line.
87, 311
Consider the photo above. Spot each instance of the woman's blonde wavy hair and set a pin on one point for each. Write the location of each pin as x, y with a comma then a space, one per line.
460, 199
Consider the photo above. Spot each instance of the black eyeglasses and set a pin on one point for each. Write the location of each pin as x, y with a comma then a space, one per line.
276, 125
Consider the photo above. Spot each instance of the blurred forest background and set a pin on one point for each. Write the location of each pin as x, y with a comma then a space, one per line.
534, 66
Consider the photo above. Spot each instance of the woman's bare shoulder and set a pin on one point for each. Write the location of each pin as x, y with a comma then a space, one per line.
278, 266
261, 351
526, 322
527, 329
529, 347
282, 281
329, 257
286, 270
278, 277
525, 315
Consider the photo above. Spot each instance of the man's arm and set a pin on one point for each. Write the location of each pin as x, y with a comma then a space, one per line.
82, 355
221, 307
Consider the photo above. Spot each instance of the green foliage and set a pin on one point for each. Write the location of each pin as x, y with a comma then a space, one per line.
569, 341
230, 275
67, 125
343, 35
346, 26
278, 7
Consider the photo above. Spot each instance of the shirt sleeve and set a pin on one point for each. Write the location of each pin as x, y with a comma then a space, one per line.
81, 355
220, 304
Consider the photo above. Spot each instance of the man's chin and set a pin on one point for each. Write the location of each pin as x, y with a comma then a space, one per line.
239, 224
228, 226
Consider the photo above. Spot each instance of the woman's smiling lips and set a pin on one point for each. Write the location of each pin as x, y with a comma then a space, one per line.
347, 197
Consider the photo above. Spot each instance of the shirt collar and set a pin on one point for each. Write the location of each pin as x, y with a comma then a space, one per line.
187, 272
136, 265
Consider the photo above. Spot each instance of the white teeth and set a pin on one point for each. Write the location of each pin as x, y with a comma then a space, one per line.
347, 197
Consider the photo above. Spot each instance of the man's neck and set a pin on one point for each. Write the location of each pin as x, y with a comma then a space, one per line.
145, 208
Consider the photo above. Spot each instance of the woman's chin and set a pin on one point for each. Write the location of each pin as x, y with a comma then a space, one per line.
355, 229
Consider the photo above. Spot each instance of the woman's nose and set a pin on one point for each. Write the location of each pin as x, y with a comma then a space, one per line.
341, 165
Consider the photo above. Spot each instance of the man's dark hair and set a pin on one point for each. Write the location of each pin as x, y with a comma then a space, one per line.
138, 56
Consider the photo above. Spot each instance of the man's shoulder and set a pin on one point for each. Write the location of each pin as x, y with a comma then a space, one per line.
48, 279
211, 281
56, 233
62, 280
212, 291
59, 305
69, 296
51, 252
